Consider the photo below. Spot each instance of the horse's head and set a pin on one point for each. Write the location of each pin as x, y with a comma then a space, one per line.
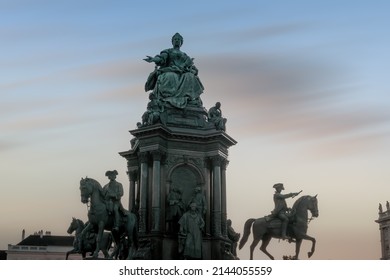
313, 205
307, 202
86, 189
73, 225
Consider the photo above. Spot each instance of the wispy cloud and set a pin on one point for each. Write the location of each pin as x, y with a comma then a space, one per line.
302, 100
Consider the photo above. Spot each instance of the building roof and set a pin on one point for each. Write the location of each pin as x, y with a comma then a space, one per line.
47, 240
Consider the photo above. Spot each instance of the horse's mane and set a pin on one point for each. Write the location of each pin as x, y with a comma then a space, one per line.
299, 200
80, 222
93, 181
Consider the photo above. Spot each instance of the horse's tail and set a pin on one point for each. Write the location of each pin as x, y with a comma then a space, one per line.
247, 231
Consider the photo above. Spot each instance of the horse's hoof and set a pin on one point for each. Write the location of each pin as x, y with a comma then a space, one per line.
309, 254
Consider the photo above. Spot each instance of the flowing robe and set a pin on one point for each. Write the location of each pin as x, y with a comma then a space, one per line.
176, 80
191, 225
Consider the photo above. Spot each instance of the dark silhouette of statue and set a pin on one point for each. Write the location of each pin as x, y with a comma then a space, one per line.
281, 209
190, 235
86, 243
380, 208
215, 117
175, 78
233, 236
200, 199
175, 208
113, 193
152, 113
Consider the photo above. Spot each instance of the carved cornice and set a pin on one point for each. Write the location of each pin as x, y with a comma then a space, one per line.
201, 135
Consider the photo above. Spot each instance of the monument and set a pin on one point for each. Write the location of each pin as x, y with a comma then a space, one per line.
384, 228
177, 165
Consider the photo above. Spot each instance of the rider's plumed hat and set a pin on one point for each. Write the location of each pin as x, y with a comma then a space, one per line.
113, 172
278, 186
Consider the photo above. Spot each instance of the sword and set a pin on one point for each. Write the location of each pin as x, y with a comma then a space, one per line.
296, 194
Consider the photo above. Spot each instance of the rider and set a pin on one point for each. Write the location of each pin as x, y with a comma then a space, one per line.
281, 206
113, 192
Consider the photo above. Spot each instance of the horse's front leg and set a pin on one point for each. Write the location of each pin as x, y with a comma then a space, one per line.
73, 251
98, 240
313, 245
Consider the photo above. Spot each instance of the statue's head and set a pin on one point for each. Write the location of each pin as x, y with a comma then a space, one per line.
193, 206
278, 186
177, 39
111, 174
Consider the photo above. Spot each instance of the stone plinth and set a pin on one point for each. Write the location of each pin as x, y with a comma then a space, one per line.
185, 151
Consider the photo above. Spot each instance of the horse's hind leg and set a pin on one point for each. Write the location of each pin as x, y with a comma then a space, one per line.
297, 248
253, 246
264, 245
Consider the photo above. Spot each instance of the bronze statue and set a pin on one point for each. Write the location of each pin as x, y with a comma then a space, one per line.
200, 200
265, 228
281, 209
380, 208
190, 235
101, 218
87, 243
175, 208
152, 113
233, 236
175, 79
215, 117
113, 192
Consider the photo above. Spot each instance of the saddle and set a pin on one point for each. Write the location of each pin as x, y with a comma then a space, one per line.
274, 222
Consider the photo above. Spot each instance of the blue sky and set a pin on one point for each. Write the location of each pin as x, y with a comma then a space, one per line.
303, 85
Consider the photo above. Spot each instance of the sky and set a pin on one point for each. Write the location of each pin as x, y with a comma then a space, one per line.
303, 85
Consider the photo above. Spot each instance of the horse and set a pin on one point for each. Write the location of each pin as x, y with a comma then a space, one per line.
100, 218
265, 229
88, 243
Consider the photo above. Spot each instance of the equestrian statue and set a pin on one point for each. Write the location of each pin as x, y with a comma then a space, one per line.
107, 213
283, 223
87, 243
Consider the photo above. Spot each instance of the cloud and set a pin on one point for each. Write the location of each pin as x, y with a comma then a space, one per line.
267, 94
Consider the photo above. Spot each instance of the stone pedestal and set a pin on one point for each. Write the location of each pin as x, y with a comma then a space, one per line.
185, 151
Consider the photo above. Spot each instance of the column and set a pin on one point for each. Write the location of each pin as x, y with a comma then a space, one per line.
156, 191
143, 159
217, 185
224, 164
133, 175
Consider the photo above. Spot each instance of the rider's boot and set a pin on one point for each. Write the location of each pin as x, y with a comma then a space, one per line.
284, 229
116, 221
